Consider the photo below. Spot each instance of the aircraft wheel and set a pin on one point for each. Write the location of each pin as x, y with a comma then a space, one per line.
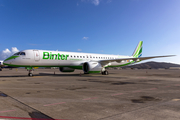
30, 74
105, 72
0, 69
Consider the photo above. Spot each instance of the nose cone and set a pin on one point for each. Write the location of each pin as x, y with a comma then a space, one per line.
9, 60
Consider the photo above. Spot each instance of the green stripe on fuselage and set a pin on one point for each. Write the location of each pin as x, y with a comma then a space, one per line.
12, 57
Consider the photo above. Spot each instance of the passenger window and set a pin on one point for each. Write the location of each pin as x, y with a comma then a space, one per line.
74, 56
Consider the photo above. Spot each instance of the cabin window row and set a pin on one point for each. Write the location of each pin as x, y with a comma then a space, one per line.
91, 57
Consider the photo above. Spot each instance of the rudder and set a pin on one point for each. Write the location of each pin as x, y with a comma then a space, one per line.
138, 51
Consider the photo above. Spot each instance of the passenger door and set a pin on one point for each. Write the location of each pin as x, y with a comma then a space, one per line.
36, 55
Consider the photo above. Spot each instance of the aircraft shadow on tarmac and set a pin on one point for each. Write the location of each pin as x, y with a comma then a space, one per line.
51, 74
14, 76
45, 74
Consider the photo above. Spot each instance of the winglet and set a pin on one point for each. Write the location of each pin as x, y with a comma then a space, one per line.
138, 51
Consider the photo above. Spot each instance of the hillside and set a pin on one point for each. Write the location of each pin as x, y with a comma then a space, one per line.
152, 65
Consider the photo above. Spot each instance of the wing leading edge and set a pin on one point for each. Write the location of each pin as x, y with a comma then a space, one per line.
132, 59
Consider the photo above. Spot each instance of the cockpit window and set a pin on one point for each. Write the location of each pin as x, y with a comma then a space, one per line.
17, 53
22, 53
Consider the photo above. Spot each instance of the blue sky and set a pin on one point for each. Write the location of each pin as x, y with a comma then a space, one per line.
93, 26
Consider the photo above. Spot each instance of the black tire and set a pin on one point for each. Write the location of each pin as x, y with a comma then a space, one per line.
30, 74
106, 72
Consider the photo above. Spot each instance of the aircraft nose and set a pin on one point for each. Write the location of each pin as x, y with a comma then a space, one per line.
7, 62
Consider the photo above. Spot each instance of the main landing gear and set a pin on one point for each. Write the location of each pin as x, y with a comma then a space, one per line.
30, 69
104, 72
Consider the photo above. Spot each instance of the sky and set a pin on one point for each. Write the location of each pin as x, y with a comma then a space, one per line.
91, 26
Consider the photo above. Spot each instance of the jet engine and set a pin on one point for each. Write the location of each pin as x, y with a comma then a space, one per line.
66, 69
92, 67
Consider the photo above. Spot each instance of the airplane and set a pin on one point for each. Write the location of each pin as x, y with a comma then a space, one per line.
1, 65
69, 61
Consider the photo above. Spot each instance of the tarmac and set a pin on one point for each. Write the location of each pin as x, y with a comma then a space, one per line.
121, 95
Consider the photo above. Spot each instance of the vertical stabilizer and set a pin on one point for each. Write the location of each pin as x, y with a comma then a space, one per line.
138, 51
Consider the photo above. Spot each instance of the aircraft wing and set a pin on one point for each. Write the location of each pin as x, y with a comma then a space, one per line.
132, 58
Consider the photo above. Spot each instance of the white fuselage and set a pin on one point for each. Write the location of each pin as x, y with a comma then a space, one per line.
46, 58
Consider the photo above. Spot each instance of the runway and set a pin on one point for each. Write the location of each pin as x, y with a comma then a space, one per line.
121, 95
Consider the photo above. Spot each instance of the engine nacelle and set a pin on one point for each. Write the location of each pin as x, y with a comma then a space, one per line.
92, 67
66, 69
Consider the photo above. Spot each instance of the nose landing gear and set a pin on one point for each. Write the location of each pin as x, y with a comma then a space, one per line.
105, 72
30, 69
30, 74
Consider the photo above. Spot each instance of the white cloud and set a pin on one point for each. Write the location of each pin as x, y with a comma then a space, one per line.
85, 38
79, 50
6, 53
96, 2
14, 50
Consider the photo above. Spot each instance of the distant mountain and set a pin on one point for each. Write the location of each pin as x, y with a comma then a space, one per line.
152, 65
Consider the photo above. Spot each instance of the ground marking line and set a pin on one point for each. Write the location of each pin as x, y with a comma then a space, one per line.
7, 111
90, 98
153, 88
54, 104
117, 94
